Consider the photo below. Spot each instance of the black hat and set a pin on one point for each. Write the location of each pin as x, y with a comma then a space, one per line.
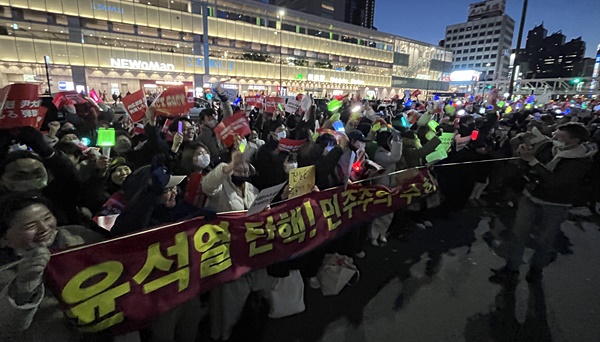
357, 135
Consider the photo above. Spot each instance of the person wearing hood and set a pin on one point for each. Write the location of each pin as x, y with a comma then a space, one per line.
388, 154
556, 181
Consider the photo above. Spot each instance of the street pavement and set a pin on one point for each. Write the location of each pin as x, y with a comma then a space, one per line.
434, 287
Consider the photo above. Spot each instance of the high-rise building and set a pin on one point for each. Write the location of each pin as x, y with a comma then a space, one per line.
482, 44
550, 56
356, 12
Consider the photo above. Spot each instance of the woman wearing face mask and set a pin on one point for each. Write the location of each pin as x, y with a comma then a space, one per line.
28, 230
228, 189
196, 164
268, 160
209, 120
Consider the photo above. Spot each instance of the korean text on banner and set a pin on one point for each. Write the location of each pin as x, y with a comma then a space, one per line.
253, 102
21, 106
290, 145
228, 128
135, 105
264, 198
292, 106
302, 180
68, 98
172, 102
271, 103
125, 283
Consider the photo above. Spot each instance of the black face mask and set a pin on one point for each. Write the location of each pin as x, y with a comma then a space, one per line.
239, 180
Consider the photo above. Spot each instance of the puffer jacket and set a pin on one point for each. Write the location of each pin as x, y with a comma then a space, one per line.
388, 160
223, 195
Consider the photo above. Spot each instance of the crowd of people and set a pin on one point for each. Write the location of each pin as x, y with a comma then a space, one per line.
54, 187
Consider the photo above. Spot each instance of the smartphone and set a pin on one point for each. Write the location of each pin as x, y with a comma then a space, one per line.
339, 126
180, 127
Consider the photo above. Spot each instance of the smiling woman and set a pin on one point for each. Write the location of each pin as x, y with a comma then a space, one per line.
28, 230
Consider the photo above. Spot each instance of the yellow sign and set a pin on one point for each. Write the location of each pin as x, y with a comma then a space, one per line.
302, 181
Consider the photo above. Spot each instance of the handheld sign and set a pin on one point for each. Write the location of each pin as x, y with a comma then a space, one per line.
264, 198
106, 140
339, 126
20, 106
302, 181
235, 124
135, 105
172, 102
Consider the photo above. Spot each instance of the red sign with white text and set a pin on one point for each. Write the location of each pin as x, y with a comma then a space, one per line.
21, 106
172, 102
253, 101
228, 128
272, 102
135, 105
290, 145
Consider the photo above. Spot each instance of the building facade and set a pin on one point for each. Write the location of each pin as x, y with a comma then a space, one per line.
550, 56
355, 12
121, 46
482, 44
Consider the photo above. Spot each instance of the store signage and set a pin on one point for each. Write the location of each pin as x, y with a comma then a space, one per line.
355, 81
106, 8
465, 76
318, 78
212, 64
480, 9
140, 65
63, 85
338, 80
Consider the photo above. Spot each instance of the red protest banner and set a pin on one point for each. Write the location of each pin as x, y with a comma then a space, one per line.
253, 101
235, 124
124, 284
94, 96
68, 98
21, 106
272, 102
172, 102
135, 105
290, 145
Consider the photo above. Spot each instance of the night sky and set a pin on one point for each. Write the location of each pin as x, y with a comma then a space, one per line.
426, 20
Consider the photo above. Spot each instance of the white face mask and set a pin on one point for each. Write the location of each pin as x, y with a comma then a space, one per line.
203, 161
281, 135
558, 144
361, 145
212, 124
290, 166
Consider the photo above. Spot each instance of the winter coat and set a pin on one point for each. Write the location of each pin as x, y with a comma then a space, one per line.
41, 319
388, 160
223, 195
414, 156
215, 147
561, 179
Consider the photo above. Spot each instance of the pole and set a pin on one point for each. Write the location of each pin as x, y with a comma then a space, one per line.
280, 66
511, 86
46, 62
206, 54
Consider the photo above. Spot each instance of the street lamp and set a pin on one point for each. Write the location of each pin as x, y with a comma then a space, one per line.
280, 15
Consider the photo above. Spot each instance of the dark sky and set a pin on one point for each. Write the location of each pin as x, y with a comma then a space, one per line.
426, 20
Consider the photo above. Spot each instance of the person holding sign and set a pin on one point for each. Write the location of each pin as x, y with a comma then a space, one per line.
195, 163
209, 120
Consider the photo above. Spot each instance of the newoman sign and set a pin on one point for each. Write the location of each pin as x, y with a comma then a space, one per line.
140, 65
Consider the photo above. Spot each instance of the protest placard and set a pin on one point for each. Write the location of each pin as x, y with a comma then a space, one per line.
290, 145
302, 181
172, 102
21, 106
264, 198
272, 102
292, 106
135, 105
228, 128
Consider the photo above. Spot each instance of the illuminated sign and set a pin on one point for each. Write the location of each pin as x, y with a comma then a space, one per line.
464, 76
106, 8
480, 9
318, 78
354, 81
212, 64
338, 80
140, 65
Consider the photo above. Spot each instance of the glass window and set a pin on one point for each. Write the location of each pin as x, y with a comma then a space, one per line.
481, 41
497, 32
464, 58
496, 40
480, 49
472, 58
478, 57
487, 48
459, 44
478, 65
487, 41
486, 56
467, 36
469, 65
493, 64
483, 26
467, 43
461, 37
494, 56
475, 27
462, 29
473, 50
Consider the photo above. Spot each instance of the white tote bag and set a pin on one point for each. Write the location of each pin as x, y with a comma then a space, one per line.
335, 273
287, 296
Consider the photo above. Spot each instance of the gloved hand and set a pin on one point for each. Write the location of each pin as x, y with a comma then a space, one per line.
35, 140
159, 175
31, 270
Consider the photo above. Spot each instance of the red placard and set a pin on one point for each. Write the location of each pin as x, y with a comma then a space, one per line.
290, 145
235, 124
21, 106
271, 103
95, 96
172, 102
66, 98
338, 136
135, 105
253, 101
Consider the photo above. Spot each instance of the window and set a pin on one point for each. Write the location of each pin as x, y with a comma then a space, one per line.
487, 41
459, 44
464, 58
473, 50
478, 65
470, 66
498, 23
454, 31
469, 28
487, 48
481, 41
497, 32
478, 57
483, 26
494, 56
467, 36
449, 31
493, 64
486, 56
490, 72
475, 27
496, 40
480, 49
463, 65
467, 43
475, 34
461, 37
453, 45
472, 58
462, 29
